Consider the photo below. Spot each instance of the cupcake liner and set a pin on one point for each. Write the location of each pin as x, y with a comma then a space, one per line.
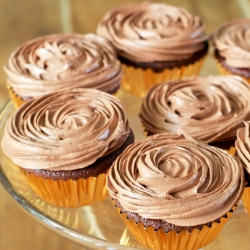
232, 150
246, 199
137, 80
223, 71
70, 193
159, 239
229, 146
16, 99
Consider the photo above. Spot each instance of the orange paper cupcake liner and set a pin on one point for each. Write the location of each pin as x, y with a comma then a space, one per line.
159, 239
246, 199
16, 99
223, 71
69, 193
232, 150
137, 80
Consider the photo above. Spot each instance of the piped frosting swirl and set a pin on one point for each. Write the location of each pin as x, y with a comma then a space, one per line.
147, 31
61, 62
242, 145
65, 131
177, 179
207, 108
232, 40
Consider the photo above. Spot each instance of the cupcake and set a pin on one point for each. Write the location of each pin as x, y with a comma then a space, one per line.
60, 62
64, 143
232, 47
155, 42
210, 109
242, 145
174, 192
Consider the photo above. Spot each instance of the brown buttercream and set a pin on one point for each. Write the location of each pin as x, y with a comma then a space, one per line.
207, 108
147, 31
61, 62
242, 145
100, 166
175, 178
65, 131
232, 41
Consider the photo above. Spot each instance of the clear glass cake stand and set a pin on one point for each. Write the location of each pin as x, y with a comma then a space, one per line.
99, 226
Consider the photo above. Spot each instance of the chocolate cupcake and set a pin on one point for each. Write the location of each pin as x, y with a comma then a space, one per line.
174, 192
155, 42
242, 145
210, 109
232, 47
60, 62
64, 143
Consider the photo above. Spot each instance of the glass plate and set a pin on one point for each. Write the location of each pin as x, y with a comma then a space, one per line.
99, 226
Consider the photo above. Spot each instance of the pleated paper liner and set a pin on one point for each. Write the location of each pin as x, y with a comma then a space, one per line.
246, 199
246, 194
70, 193
159, 239
223, 71
137, 80
229, 146
18, 100
15, 98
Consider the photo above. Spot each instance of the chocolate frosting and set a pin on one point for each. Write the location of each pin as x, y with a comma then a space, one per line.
232, 40
61, 62
175, 178
242, 145
148, 31
207, 108
65, 131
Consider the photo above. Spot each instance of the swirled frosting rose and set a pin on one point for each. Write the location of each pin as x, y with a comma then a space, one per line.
147, 31
61, 62
242, 145
175, 178
232, 40
207, 108
65, 131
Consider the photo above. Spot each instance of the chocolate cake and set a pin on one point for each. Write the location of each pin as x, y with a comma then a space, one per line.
100, 166
159, 66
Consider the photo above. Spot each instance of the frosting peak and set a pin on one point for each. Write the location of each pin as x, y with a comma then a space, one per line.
59, 62
242, 145
148, 31
65, 131
175, 178
207, 108
232, 40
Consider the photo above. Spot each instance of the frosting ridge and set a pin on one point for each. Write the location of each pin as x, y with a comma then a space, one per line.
65, 131
242, 145
147, 31
61, 62
207, 108
175, 178
231, 39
